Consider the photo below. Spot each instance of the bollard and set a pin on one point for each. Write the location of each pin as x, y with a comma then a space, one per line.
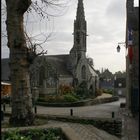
4, 107
113, 114
71, 112
35, 109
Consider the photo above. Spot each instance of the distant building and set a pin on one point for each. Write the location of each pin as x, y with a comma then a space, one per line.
120, 87
106, 80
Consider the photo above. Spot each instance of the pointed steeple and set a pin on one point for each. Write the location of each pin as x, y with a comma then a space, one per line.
80, 11
80, 28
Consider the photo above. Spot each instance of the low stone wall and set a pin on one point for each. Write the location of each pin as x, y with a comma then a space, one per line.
112, 126
81, 103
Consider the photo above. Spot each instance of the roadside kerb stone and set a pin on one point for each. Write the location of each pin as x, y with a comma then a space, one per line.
81, 103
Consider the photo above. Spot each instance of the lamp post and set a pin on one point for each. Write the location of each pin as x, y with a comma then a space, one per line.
129, 78
118, 47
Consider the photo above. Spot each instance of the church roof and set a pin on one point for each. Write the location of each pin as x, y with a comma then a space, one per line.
92, 71
59, 62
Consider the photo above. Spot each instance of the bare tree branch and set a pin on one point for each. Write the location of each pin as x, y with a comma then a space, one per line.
41, 8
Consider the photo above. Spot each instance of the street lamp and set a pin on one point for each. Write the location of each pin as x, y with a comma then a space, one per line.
118, 47
129, 77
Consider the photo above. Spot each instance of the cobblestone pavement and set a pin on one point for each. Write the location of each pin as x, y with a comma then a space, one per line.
88, 132
130, 129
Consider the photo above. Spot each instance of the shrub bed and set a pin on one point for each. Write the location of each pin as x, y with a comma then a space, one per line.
109, 91
34, 134
59, 98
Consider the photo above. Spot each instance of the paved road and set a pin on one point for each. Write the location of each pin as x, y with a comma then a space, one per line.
101, 110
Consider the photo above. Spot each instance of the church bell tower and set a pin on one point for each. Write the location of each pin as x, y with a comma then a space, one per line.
80, 32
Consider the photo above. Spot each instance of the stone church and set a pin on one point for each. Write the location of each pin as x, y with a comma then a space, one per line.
49, 72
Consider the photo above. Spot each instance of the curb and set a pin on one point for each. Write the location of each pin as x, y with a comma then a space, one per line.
81, 103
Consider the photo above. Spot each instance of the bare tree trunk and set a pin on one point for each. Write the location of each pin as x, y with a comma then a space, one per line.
22, 113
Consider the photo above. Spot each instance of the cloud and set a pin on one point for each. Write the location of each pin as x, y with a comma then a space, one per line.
116, 9
105, 27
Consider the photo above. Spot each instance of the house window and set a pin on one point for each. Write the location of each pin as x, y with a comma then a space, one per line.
83, 72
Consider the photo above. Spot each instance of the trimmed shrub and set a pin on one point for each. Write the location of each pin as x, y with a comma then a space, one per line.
109, 91
70, 98
82, 90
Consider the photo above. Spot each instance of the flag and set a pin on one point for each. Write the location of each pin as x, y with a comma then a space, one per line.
130, 54
130, 37
130, 44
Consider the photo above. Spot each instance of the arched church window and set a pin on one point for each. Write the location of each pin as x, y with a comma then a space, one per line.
83, 72
41, 75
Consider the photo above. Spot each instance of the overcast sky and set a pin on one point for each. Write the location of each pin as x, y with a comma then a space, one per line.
105, 28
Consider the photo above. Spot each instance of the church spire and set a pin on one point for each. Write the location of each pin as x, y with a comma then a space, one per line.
80, 10
80, 33
80, 29
78, 52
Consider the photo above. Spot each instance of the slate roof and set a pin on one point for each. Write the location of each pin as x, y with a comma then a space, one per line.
92, 71
61, 63
5, 69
